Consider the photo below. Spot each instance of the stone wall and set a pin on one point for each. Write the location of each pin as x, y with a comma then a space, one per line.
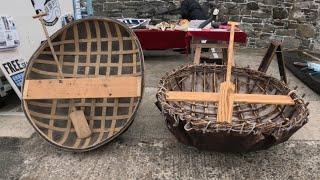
296, 22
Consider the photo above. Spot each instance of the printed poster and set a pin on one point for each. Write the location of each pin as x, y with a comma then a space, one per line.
13, 70
52, 7
8, 33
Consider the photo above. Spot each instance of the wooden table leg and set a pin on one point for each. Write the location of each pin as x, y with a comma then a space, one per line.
224, 56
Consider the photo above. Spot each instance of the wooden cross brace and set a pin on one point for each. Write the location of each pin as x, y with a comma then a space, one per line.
226, 97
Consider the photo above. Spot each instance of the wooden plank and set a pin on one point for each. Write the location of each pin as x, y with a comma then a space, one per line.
311, 56
192, 96
264, 99
80, 124
266, 61
197, 55
274, 49
139, 86
282, 69
210, 45
226, 101
241, 98
103, 87
224, 56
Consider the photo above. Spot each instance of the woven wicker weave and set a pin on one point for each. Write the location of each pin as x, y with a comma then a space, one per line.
254, 127
89, 48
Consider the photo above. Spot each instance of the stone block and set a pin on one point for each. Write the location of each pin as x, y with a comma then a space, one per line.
230, 5
280, 13
261, 14
265, 36
268, 28
252, 5
235, 18
108, 6
251, 20
270, 2
248, 28
316, 45
291, 43
285, 32
306, 31
297, 15
262, 43
234, 12
239, 1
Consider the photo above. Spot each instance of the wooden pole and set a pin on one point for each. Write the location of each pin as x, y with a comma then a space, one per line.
40, 17
230, 63
311, 56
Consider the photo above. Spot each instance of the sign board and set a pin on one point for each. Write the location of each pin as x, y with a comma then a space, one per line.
77, 9
52, 7
82, 8
66, 19
13, 70
8, 33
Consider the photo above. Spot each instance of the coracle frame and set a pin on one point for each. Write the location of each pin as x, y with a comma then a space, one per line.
98, 41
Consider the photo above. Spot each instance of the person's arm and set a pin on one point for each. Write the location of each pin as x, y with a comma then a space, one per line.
184, 11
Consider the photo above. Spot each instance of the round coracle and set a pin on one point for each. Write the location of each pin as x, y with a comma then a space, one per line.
92, 48
253, 127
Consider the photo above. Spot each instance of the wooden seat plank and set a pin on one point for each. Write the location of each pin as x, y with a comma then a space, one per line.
192, 96
104, 87
264, 99
240, 98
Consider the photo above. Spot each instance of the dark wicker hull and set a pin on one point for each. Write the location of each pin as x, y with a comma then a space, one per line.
225, 142
253, 128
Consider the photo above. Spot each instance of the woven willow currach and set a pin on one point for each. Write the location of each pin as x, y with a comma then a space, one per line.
253, 127
90, 48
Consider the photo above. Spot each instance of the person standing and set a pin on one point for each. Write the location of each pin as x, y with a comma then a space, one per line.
191, 10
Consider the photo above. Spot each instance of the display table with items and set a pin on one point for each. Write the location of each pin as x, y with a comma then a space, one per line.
152, 39
190, 37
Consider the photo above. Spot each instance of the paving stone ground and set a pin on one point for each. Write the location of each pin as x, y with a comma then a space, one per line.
148, 150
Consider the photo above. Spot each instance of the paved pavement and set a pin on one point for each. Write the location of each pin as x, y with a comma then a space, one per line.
148, 151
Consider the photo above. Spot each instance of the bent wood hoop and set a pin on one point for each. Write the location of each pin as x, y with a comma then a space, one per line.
102, 65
